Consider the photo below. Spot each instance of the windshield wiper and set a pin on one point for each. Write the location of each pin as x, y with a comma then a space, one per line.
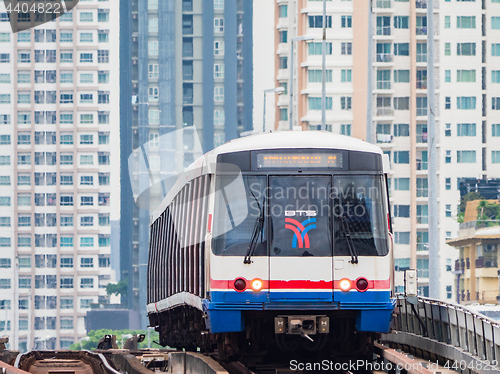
350, 243
257, 231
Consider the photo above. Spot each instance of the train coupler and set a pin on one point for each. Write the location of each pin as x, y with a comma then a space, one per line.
302, 325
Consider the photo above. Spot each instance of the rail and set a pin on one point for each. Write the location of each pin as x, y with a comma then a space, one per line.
448, 331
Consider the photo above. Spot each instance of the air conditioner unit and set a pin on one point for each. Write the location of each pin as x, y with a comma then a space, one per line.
489, 248
488, 264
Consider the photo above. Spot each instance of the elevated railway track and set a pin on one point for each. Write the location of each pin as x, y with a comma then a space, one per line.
428, 336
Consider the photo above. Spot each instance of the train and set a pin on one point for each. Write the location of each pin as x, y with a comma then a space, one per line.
275, 242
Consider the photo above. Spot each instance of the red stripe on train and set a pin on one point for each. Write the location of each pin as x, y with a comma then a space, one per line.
302, 284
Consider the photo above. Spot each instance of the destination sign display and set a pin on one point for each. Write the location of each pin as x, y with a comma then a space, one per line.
303, 160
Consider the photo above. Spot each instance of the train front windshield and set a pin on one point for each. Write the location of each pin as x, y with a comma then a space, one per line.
306, 215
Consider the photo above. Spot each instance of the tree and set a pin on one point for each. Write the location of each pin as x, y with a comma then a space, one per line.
95, 335
119, 288
471, 196
487, 211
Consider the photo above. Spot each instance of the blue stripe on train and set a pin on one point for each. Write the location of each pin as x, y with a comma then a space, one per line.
225, 309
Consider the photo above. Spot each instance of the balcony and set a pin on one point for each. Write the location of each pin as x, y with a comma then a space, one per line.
384, 30
421, 165
384, 57
421, 30
421, 4
421, 84
422, 137
383, 4
421, 111
383, 85
382, 111
482, 262
384, 138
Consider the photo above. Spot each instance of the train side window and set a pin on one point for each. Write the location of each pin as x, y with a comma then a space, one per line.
238, 207
359, 212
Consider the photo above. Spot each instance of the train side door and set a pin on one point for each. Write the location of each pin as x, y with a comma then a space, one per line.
300, 249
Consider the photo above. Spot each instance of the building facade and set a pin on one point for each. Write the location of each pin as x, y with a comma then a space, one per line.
189, 66
59, 162
386, 46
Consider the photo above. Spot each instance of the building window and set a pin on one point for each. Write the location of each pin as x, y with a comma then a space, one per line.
447, 22
345, 103
283, 36
401, 76
401, 49
466, 49
346, 48
346, 21
218, 94
466, 102
219, 4
447, 158
86, 17
422, 184
219, 48
218, 70
466, 157
345, 129
153, 25
495, 23
401, 157
283, 11
401, 22
345, 75
283, 114
86, 283
283, 62
315, 103
153, 48
495, 49
401, 211
448, 210
402, 129
401, 103
402, 237
466, 129
466, 22
466, 75
317, 22
447, 184
316, 48
218, 25
316, 76
422, 214
495, 157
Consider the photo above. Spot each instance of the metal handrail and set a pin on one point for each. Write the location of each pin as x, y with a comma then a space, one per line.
451, 324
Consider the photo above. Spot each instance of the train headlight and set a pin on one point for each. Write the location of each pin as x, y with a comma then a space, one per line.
345, 284
257, 284
240, 284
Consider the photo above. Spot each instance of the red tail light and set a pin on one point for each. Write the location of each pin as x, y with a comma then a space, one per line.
361, 284
240, 284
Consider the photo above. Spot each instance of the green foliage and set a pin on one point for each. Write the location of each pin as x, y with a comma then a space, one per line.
119, 288
460, 217
487, 211
96, 335
471, 196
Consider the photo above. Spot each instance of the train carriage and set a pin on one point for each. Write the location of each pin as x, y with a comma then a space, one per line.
274, 241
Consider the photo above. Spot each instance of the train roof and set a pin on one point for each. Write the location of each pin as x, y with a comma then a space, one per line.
268, 140
296, 139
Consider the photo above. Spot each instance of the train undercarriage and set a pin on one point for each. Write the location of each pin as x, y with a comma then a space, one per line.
184, 328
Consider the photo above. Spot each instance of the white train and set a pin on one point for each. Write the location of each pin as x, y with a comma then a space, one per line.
276, 241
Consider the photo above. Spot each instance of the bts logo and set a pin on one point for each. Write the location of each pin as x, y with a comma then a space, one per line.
300, 229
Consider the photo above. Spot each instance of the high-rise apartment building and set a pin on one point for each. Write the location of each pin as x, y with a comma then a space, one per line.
185, 65
394, 55
59, 172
